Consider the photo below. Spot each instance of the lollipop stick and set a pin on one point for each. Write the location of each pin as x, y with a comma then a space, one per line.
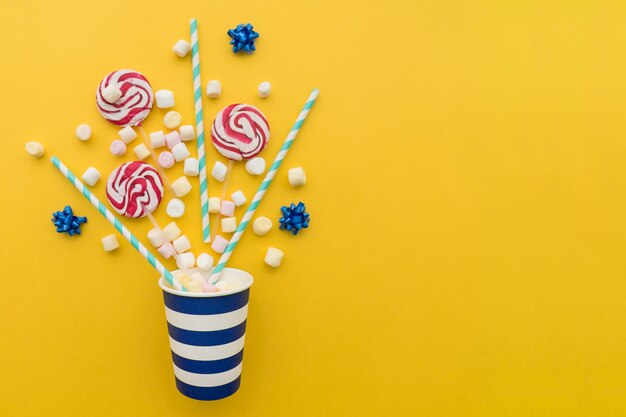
155, 159
229, 171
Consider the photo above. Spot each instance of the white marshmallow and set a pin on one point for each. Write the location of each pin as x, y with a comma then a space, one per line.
197, 276
219, 171
111, 93
127, 134
185, 260
91, 176
182, 244
274, 257
180, 152
171, 231
255, 166
166, 250
157, 139
215, 204
83, 132
172, 119
35, 149
261, 226
141, 151
204, 261
164, 99
187, 132
191, 168
222, 286
213, 89
238, 198
166, 159
156, 237
110, 243
296, 176
181, 187
264, 89
172, 139
175, 208
181, 48
229, 224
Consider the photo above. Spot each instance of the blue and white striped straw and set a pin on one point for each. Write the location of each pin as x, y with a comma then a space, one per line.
116, 223
197, 96
266, 183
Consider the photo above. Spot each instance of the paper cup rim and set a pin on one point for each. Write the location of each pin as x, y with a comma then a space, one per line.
210, 294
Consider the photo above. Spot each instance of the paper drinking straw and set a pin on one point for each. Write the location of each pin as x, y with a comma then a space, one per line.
266, 182
197, 96
116, 223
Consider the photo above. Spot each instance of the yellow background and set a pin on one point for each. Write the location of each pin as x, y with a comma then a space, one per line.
466, 189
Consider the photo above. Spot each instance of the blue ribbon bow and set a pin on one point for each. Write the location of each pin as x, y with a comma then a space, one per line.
294, 218
66, 222
243, 38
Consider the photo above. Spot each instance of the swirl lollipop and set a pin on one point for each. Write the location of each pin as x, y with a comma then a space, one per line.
135, 189
136, 100
240, 131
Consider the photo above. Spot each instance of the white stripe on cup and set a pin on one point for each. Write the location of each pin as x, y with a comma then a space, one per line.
208, 380
207, 353
206, 323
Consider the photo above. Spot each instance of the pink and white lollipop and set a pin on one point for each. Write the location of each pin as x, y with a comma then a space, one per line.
135, 189
135, 102
240, 131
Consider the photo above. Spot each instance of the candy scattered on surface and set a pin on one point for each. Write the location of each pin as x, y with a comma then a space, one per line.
229, 224
238, 198
240, 131
219, 171
228, 208
91, 176
182, 244
215, 204
255, 166
181, 48
166, 159
156, 237
132, 106
296, 176
83, 132
141, 151
172, 139
127, 134
213, 89
157, 139
134, 189
243, 37
185, 261
35, 149
66, 222
187, 133
181, 187
110, 243
164, 99
219, 244
261, 226
180, 152
274, 257
118, 147
294, 218
175, 208
205, 261
191, 167
264, 89
172, 119
166, 250
171, 231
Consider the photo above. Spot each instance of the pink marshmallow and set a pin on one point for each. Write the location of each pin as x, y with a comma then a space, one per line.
172, 139
166, 250
228, 208
208, 287
118, 147
166, 159
219, 244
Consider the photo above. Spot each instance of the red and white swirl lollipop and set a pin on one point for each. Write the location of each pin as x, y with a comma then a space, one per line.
135, 189
240, 131
135, 103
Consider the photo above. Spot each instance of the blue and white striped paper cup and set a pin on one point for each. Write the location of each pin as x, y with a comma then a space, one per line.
207, 332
